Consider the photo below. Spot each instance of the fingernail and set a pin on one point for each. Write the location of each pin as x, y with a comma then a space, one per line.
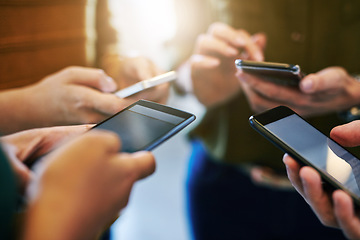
307, 85
109, 84
285, 159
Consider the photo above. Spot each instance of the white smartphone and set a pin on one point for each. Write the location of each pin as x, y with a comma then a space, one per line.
306, 144
145, 84
144, 125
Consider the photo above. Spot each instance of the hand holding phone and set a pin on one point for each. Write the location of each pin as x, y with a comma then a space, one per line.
146, 84
303, 142
144, 125
279, 73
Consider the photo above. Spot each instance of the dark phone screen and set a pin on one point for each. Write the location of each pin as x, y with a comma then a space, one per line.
325, 154
140, 126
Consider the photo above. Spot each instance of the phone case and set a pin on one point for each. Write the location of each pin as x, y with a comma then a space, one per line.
258, 123
279, 73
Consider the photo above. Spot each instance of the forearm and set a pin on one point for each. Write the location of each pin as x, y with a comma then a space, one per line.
19, 110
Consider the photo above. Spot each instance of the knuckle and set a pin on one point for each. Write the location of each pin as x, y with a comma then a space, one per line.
326, 222
69, 71
201, 39
214, 27
243, 32
98, 76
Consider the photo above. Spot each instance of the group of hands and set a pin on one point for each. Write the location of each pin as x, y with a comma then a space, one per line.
82, 166
81, 179
215, 81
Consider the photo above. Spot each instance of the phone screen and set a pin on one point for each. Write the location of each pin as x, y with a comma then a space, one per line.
319, 150
142, 127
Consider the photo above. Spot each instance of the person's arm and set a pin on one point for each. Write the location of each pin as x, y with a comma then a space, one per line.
75, 95
86, 183
329, 90
333, 209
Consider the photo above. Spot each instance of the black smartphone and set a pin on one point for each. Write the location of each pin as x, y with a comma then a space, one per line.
144, 125
302, 141
279, 73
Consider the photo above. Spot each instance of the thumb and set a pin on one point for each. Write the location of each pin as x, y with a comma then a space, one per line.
105, 103
260, 40
324, 80
348, 134
91, 77
142, 164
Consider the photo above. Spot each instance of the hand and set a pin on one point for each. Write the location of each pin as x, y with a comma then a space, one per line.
334, 210
331, 89
212, 65
85, 184
130, 70
24, 147
75, 95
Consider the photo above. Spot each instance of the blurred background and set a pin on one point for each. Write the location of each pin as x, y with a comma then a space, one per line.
156, 208
146, 28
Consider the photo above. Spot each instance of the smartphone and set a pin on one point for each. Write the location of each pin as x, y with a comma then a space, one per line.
144, 125
306, 144
145, 84
279, 73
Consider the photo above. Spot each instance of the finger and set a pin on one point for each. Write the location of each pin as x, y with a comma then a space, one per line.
293, 169
237, 39
348, 134
155, 94
91, 77
275, 92
145, 69
23, 173
103, 103
253, 50
66, 131
139, 164
316, 197
226, 34
54, 136
101, 142
208, 45
321, 81
260, 40
344, 211
198, 61
258, 101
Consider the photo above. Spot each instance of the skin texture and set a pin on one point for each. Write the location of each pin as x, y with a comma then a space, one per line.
83, 187
76, 95
215, 81
334, 209
25, 147
212, 63
331, 89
